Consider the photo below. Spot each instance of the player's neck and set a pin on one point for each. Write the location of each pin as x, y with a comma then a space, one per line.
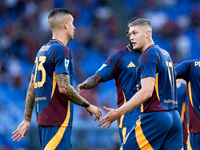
59, 36
148, 44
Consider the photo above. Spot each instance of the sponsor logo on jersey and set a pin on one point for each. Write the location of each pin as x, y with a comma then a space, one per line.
131, 65
170, 101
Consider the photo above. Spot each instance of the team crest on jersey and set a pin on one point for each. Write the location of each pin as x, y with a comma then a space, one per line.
66, 64
104, 65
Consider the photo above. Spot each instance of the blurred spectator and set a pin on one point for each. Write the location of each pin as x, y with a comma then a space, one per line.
15, 72
3, 72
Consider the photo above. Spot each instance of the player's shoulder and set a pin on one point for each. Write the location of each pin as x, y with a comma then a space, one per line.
57, 44
59, 49
187, 64
121, 51
196, 62
155, 49
152, 52
116, 55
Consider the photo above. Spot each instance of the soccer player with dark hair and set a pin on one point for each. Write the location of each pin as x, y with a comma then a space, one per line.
120, 66
51, 90
190, 71
159, 125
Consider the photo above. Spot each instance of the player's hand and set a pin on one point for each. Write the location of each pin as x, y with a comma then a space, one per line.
94, 110
80, 88
111, 116
21, 131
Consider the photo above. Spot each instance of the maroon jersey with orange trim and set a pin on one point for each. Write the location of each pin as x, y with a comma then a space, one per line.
52, 108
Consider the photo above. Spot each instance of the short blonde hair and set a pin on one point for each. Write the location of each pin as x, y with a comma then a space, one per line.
140, 22
55, 17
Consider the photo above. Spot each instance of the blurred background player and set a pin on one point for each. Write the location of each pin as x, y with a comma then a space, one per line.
159, 125
190, 72
50, 87
120, 66
182, 94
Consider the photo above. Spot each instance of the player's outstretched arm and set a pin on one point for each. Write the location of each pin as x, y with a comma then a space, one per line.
111, 116
139, 98
22, 129
63, 82
89, 83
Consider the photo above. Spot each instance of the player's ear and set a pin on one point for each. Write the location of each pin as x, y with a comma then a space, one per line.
148, 34
126, 31
65, 24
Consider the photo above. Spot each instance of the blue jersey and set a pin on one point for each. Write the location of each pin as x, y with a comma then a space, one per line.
190, 71
52, 108
156, 62
182, 94
121, 66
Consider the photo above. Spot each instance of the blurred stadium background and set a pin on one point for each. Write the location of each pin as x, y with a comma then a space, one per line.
100, 31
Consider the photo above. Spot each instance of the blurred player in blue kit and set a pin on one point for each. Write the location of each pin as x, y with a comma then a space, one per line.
159, 125
120, 66
182, 94
190, 72
51, 88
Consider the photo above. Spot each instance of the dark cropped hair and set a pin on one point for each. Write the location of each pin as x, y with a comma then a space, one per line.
56, 11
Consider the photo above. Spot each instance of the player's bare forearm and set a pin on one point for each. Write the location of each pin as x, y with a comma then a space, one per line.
93, 81
140, 97
30, 100
137, 99
63, 82
89, 83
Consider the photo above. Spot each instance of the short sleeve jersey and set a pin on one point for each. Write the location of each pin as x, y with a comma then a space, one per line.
52, 108
121, 66
190, 71
156, 62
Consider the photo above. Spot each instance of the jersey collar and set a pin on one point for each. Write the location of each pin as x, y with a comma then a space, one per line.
150, 47
129, 48
55, 40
